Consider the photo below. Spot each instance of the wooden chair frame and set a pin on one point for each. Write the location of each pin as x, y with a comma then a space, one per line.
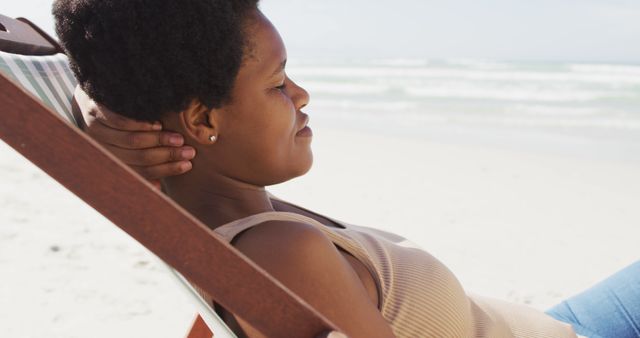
159, 224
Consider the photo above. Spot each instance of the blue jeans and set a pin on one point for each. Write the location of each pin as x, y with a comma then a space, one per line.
610, 309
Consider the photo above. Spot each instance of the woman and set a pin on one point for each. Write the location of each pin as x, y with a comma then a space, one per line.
214, 72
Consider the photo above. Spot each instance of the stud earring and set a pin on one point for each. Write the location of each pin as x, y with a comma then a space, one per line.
212, 138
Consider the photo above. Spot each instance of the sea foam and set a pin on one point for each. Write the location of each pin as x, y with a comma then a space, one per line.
586, 100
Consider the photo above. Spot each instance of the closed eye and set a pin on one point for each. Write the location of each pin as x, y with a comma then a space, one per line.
284, 83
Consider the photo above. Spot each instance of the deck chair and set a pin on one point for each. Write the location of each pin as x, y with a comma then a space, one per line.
37, 119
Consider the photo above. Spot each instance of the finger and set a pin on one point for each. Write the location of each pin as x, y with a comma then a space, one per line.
152, 156
163, 170
133, 139
105, 116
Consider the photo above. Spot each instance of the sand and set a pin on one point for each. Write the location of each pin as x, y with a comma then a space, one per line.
528, 226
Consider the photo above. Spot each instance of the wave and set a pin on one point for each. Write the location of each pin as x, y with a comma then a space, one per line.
399, 62
606, 68
413, 120
515, 94
345, 88
394, 90
575, 73
589, 99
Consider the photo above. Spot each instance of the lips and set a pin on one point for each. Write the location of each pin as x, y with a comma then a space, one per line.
305, 119
305, 131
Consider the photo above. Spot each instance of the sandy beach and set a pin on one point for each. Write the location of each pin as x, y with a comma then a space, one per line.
530, 227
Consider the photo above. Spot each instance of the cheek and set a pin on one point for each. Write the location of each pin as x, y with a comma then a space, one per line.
264, 148
276, 124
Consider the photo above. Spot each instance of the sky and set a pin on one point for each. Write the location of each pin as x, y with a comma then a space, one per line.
605, 31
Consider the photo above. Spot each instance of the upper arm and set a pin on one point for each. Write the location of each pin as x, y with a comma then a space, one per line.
303, 259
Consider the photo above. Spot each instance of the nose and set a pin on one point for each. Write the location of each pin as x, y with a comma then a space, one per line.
299, 96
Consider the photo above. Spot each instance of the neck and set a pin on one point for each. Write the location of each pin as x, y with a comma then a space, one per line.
216, 199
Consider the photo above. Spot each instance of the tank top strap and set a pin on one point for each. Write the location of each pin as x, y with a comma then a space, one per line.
343, 238
340, 223
230, 230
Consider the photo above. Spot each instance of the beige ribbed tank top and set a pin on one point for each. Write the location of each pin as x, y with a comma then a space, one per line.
419, 296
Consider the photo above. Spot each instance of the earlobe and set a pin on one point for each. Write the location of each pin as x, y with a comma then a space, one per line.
199, 123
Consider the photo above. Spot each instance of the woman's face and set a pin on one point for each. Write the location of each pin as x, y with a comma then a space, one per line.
262, 138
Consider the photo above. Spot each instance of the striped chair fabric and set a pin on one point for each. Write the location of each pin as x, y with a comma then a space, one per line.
49, 78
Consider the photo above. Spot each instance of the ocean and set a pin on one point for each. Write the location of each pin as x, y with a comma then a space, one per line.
553, 105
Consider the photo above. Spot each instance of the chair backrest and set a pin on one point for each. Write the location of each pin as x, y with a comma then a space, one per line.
35, 114
21, 36
34, 60
45, 77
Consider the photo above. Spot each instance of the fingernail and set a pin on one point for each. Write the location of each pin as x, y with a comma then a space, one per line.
185, 166
157, 126
175, 140
188, 153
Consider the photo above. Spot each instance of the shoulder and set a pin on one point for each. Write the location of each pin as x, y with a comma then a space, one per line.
287, 245
305, 260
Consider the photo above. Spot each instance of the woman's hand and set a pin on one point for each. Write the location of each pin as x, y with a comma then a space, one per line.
147, 149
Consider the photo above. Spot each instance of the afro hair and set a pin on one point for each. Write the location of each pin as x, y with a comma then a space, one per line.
146, 58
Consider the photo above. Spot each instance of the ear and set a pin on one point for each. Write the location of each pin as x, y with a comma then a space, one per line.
199, 122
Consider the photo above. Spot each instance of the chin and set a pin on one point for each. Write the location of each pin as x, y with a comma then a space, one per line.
307, 165
300, 170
